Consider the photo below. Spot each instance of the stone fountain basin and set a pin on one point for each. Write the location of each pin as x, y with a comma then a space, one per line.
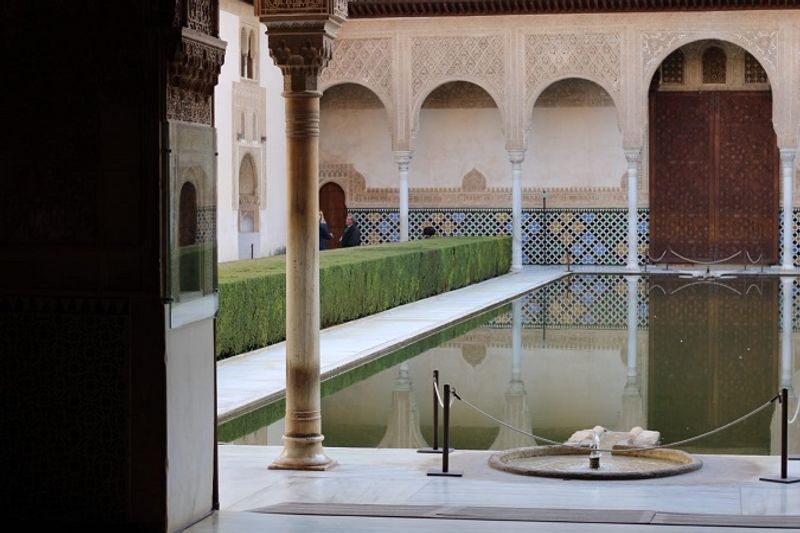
567, 462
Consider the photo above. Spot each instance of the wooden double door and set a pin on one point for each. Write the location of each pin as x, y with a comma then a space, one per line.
713, 176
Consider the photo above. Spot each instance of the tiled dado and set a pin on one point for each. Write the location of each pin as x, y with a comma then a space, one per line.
549, 237
580, 236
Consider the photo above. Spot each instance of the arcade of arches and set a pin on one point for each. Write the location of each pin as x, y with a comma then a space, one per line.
640, 140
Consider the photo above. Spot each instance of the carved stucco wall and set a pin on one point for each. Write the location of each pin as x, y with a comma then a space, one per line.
516, 58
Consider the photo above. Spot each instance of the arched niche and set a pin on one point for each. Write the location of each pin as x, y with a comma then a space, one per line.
187, 215
712, 157
355, 129
460, 133
575, 139
248, 195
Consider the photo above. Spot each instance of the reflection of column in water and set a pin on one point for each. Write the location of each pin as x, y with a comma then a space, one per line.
516, 407
787, 356
403, 428
632, 406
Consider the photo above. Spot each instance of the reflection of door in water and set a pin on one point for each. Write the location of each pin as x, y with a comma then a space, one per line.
713, 176
331, 203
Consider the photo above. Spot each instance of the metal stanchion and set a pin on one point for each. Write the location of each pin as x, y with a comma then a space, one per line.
446, 450
784, 399
435, 448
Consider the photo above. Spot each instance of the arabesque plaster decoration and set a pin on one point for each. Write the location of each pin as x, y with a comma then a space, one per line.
439, 59
551, 57
364, 61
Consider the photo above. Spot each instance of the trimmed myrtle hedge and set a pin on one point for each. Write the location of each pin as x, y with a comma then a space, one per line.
354, 282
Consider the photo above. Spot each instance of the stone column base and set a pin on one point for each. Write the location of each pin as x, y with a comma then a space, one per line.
303, 453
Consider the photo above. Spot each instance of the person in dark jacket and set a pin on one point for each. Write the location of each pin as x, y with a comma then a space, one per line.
324, 233
351, 235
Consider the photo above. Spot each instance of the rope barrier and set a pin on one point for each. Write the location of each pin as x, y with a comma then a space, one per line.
438, 396
631, 448
796, 410
749, 258
656, 260
705, 263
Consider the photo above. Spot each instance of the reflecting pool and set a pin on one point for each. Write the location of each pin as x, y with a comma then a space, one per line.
679, 355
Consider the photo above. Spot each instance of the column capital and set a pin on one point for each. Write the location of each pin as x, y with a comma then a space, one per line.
402, 157
516, 156
300, 38
787, 155
633, 155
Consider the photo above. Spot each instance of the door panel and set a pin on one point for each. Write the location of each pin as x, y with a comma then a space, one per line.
713, 176
331, 203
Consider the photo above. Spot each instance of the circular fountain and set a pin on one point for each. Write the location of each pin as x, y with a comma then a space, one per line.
571, 462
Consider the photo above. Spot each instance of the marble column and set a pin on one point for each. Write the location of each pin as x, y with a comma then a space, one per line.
403, 158
787, 175
634, 157
301, 52
516, 157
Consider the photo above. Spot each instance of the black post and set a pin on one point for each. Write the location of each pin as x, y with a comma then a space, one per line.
435, 448
251, 250
446, 448
784, 399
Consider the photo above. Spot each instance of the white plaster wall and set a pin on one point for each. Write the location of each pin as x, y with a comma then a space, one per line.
273, 166
574, 147
190, 422
451, 142
273, 216
227, 217
361, 137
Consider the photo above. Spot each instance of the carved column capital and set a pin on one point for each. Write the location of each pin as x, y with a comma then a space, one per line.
787, 155
194, 62
402, 158
633, 156
516, 157
300, 37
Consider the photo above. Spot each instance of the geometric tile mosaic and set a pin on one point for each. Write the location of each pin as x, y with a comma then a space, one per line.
549, 237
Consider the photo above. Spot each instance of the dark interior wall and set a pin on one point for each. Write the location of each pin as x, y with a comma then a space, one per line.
81, 312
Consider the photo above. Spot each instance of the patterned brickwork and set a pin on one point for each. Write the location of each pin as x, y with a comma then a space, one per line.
550, 237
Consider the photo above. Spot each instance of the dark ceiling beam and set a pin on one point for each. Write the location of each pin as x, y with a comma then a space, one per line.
432, 8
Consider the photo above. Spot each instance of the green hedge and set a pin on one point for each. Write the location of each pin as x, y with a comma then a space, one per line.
354, 282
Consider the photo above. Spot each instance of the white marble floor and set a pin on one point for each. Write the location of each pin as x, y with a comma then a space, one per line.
726, 485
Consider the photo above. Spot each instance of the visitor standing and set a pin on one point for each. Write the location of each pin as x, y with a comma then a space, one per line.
351, 235
324, 234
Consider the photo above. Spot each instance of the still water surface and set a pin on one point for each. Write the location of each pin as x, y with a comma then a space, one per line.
681, 356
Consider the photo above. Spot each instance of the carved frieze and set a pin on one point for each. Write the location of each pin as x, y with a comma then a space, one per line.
192, 74
472, 193
458, 57
553, 56
364, 61
761, 43
301, 7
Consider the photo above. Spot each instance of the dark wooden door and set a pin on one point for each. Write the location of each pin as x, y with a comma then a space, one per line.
713, 176
331, 203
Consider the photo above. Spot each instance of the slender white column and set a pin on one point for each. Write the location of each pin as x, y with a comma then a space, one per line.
403, 158
516, 157
634, 157
787, 286
787, 172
